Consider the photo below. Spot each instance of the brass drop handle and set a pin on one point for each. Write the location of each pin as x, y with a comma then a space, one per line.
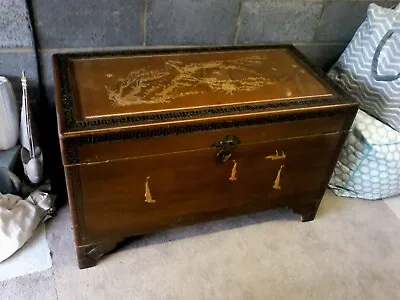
225, 145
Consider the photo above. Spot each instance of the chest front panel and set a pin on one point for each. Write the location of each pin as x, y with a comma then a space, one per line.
145, 193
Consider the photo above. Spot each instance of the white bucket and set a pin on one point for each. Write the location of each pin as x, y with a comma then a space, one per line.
9, 117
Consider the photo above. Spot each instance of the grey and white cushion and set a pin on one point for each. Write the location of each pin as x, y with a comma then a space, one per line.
369, 164
369, 68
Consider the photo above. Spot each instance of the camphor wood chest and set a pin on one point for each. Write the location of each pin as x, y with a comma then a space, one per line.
164, 138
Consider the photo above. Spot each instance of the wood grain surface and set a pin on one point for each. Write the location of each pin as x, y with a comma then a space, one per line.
134, 168
187, 186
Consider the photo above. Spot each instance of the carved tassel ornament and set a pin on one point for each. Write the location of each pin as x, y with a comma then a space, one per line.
234, 170
277, 183
147, 193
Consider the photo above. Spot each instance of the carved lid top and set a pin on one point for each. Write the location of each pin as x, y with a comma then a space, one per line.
102, 90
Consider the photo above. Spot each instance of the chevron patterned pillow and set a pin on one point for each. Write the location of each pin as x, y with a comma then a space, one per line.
369, 68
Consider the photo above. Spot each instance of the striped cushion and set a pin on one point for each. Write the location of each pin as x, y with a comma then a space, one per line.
378, 91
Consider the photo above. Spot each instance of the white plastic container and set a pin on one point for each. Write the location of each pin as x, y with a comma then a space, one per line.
9, 117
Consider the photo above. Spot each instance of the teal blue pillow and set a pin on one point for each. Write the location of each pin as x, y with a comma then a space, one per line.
369, 164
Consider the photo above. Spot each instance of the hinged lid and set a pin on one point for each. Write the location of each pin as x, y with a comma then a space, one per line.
110, 91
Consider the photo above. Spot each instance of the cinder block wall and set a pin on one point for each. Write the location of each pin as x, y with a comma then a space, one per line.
319, 28
16, 45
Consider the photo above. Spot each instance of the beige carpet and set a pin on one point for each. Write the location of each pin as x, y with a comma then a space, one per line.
350, 251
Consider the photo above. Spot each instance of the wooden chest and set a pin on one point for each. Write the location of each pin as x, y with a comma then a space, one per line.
157, 139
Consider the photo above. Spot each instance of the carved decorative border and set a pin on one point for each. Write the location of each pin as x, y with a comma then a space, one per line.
72, 144
71, 123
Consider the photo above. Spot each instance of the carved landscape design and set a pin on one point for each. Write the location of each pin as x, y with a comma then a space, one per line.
178, 79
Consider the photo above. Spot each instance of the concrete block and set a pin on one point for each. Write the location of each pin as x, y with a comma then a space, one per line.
341, 19
278, 21
14, 24
11, 65
87, 23
46, 67
322, 55
191, 22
